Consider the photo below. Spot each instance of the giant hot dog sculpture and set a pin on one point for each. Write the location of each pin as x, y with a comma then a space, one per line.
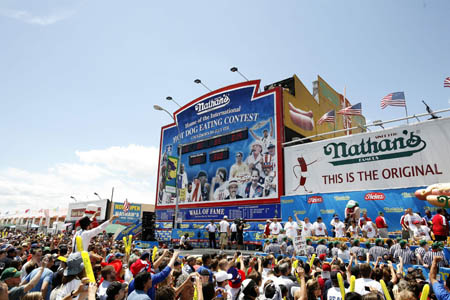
436, 194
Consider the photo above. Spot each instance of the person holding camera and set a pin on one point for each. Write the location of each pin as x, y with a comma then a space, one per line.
240, 233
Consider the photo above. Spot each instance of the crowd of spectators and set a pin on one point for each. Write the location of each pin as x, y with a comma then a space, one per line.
43, 266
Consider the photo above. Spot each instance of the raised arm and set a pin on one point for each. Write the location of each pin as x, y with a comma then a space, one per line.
160, 259
434, 269
37, 277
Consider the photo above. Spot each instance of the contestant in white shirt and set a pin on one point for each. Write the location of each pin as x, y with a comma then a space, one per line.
319, 228
291, 228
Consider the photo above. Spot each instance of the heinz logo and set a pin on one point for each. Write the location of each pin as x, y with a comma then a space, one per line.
374, 196
315, 199
212, 104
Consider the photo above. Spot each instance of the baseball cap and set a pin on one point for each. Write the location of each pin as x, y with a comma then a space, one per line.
225, 217
237, 277
326, 267
402, 242
322, 256
10, 273
422, 242
204, 272
351, 203
221, 276
267, 221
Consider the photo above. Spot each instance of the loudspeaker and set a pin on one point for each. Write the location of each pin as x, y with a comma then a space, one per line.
148, 226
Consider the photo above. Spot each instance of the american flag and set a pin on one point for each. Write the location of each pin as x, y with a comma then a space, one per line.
393, 99
354, 110
126, 206
447, 82
328, 117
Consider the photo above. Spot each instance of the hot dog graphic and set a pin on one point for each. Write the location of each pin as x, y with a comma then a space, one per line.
302, 119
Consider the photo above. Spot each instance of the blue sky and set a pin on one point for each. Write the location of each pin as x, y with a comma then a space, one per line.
79, 78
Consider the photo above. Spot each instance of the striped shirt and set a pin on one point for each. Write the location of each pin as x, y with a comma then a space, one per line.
394, 248
357, 250
428, 258
406, 254
321, 249
310, 250
377, 251
420, 251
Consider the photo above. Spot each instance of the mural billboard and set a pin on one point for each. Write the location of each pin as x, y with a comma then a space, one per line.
223, 150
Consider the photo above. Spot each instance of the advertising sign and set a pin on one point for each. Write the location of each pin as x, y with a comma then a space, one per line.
223, 150
247, 212
126, 218
76, 209
404, 156
391, 202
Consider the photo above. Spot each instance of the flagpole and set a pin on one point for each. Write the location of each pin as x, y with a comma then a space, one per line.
334, 133
344, 117
406, 111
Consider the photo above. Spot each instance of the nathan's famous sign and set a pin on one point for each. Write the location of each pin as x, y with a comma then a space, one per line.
368, 150
405, 156
223, 150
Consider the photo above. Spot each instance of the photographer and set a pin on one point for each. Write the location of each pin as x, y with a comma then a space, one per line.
240, 233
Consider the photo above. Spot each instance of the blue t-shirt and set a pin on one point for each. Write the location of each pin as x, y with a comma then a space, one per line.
156, 278
47, 276
440, 291
138, 295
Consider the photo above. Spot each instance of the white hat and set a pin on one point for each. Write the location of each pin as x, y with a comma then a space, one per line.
267, 221
225, 217
221, 276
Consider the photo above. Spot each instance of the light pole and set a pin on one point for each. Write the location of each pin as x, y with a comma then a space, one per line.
157, 107
100, 198
168, 98
74, 199
198, 81
235, 69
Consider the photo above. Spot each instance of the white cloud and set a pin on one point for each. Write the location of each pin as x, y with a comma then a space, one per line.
29, 18
130, 170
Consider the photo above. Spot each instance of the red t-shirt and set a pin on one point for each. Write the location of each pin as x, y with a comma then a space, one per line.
438, 225
380, 222
267, 229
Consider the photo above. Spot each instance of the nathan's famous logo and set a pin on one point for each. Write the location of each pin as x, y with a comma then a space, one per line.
315, 199
374, 196
212, 104
368, 150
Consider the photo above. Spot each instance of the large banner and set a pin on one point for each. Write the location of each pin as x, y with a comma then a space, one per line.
248, 212
404, 156
222, 150
391, 202
126, 218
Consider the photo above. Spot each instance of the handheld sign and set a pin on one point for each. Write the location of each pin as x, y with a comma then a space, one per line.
352, 283
88, 266
341, 285
385, 290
